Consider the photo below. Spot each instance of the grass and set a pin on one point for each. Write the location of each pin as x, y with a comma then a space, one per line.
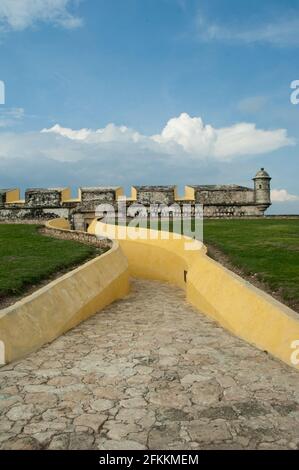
27, 257
265, 248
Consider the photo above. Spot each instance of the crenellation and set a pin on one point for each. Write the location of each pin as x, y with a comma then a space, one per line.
219, 201
52, 197
92, 197
7, 196
155, 194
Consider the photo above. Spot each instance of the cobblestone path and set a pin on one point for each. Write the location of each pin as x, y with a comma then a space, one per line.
149, 372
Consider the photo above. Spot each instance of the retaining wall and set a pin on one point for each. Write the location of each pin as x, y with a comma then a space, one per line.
60, 228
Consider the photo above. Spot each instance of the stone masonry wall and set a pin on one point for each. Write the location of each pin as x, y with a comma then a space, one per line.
155, 195
42, 198
78, 236
224, 197
231, 211
16, 213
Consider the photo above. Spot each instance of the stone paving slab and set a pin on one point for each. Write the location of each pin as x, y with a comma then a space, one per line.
149, 372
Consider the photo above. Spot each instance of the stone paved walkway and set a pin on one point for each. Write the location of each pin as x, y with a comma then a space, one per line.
149, 372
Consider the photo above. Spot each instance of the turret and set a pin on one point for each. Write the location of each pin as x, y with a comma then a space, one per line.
262, 189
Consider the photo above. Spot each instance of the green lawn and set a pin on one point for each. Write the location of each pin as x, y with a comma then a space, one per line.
27, 257
268, 248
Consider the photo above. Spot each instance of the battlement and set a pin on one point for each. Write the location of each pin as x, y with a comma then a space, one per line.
90, 198
229, 200
7, 196
49, 197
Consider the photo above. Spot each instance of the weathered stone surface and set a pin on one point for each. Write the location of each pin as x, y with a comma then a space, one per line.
206, 392
93, 421
118, 431
133, 403
162, 436
81, 441
23, 443
120, 445
201, 431
217, 200
102, 405
105, 384
59, 442
41, 399
21, 412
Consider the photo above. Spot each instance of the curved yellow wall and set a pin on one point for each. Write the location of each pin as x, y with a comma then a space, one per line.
64, 303
233, 302
62, 224
151, 256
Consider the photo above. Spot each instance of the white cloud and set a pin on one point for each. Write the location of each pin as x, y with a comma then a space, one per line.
204, 141
20, 14
282, 195
81, 134
110, 133
281, 32
190, 133
185, 136
246, 139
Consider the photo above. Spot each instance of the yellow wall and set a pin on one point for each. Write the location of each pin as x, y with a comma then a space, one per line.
13, 196
119, 192
234, 303
190, 193
65, 194
61, 224
188, 196
64, 303
133, 194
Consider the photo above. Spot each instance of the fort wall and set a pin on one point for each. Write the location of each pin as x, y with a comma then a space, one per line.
221, 201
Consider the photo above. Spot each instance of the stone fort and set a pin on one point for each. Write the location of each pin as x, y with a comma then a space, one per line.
219, 201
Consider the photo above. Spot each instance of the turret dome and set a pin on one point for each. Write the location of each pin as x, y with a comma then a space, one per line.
262, 174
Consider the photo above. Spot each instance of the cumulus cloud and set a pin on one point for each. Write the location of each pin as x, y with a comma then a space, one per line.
187, 136
226, 143
283, 31
110, 133
18, 15
282, 195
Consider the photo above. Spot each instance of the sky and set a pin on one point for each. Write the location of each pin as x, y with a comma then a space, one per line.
132, 92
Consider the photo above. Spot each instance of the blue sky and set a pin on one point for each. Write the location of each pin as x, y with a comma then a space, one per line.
149, 92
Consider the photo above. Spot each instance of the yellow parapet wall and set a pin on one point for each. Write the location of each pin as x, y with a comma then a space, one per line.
234, 303
61, 224
64, 303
